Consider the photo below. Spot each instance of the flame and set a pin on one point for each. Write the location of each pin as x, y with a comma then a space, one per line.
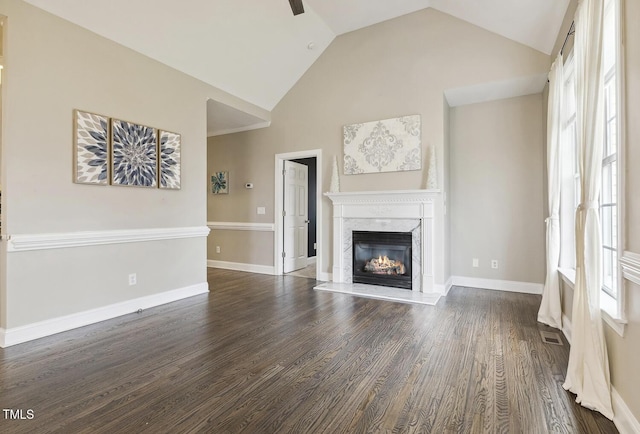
384, 260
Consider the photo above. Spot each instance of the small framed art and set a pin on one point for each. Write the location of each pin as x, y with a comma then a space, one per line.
220, 183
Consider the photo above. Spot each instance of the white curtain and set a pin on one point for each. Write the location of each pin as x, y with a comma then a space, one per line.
588, 370
550, 312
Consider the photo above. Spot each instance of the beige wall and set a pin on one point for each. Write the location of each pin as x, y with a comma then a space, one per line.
496, 195
394, 68
52, 68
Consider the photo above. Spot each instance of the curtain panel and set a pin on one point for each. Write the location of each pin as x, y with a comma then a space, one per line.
550, 312
588, 370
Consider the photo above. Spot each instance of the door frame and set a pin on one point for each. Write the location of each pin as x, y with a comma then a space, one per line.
278, 242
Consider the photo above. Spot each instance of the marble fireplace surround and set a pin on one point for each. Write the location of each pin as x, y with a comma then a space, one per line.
393, 211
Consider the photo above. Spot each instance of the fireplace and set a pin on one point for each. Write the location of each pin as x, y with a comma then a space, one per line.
382, 258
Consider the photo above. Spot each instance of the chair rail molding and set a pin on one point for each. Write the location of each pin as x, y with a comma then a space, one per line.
242, 226
62, 240
630, 263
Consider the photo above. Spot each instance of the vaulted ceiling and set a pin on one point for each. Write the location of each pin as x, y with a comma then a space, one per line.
257, 50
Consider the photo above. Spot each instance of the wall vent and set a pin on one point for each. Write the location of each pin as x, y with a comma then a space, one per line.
551, 338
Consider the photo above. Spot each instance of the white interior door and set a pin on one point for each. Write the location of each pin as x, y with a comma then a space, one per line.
296, 218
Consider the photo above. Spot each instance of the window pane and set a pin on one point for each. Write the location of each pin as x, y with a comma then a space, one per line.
605, 193
614, 227
614, 181
609, 41
605, 216
608, 273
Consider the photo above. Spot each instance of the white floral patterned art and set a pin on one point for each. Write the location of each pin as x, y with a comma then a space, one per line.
91, 148
389, 145
134, 154
169, 152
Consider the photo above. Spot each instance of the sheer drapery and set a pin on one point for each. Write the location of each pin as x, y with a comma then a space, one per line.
588, 370
550, 312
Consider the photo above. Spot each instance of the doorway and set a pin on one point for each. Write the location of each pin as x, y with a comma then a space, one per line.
314, 240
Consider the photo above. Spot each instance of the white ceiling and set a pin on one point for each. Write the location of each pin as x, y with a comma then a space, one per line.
257, 50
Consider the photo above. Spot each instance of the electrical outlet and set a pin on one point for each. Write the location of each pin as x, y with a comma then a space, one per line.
494, 263
475, 263
261, 210
217, 249
133, 279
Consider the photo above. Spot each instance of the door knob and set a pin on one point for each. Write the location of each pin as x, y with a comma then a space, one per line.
307, 221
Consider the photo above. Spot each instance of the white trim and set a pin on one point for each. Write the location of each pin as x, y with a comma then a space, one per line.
383, 197
242, 226
623, 418
630, 263
241, 266
251, 127
278, 243
447, 286
500, 285
311, 260
26, 242
324, 276
29, 332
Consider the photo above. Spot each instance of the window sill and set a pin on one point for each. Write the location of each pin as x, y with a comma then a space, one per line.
608, 305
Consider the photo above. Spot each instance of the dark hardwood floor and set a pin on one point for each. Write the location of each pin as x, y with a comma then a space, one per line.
264, 354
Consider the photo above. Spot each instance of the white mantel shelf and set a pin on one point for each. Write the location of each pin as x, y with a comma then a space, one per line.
413, 210
381, 196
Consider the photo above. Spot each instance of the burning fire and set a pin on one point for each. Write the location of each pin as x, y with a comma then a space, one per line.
384, 261
384, 265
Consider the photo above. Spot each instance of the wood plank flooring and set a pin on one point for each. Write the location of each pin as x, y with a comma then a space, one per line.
265, 354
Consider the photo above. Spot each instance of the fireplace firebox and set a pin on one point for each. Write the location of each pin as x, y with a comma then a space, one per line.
382, 258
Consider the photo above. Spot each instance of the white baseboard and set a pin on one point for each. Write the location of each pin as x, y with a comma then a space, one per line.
447, 286
623, 418
311, 260
241, 266
500, 285
29, 332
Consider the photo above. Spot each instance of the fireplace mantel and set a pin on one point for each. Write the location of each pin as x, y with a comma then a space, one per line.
387, 196
380, 210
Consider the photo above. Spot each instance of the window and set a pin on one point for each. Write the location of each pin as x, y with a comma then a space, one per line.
570, 177
611, 188
609, 193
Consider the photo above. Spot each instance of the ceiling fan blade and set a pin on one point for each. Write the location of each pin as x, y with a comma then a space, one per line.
296, 7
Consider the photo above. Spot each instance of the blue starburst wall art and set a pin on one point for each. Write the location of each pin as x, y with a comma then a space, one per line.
134, 154
169, 151
220, 183
91, 154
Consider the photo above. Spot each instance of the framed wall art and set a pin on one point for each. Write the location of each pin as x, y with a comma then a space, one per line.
91, 148
169, 160
134, 150
220, 183
389, 145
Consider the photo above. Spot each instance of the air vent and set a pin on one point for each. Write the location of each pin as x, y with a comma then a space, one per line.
551, 338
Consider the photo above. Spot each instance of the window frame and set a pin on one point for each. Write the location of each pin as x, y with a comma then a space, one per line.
613, 308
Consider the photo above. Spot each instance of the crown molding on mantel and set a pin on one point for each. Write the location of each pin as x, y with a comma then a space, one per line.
387, 196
